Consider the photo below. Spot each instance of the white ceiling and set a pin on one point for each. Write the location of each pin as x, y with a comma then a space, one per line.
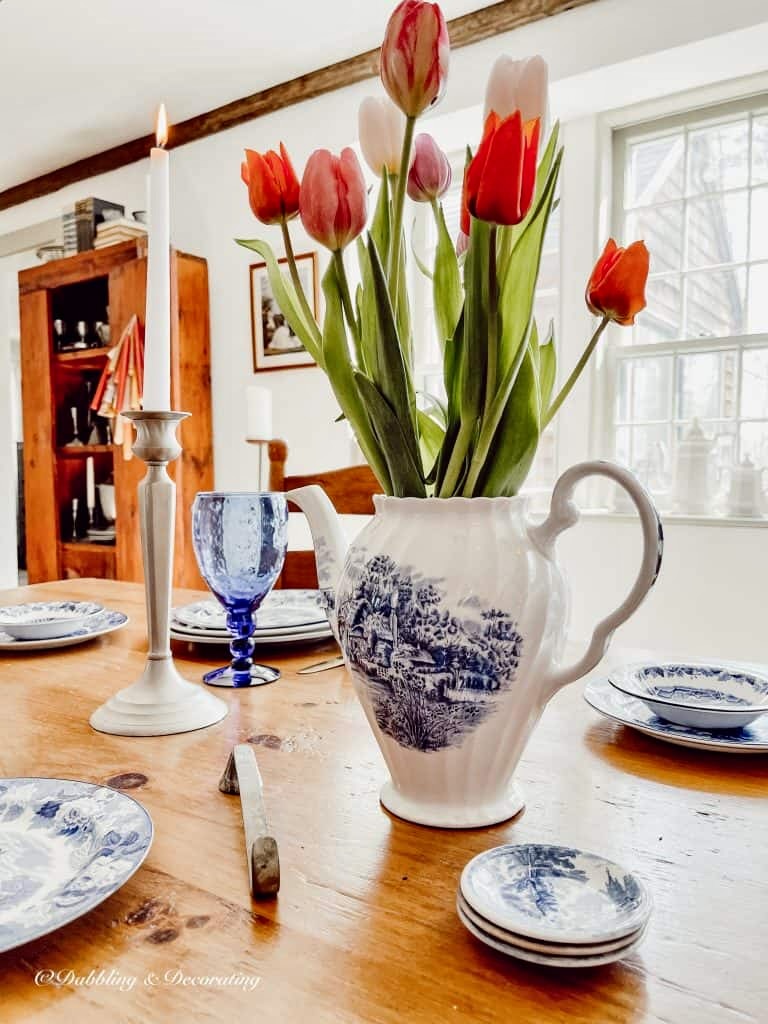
80, 76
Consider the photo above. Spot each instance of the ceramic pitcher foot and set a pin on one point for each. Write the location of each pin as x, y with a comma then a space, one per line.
477, 816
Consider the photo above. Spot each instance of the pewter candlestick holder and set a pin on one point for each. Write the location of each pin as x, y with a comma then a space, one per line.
161, 701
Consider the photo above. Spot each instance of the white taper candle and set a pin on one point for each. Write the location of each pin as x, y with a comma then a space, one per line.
157, 357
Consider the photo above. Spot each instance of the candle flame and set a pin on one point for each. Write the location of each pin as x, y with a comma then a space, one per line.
161, 126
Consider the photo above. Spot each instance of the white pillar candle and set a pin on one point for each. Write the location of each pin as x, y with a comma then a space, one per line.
157, 353
259, 412
90, 483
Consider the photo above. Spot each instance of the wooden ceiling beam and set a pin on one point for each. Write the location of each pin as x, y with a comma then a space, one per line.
465, 30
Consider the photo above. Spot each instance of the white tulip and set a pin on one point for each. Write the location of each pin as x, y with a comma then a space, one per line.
381, 128
518, 85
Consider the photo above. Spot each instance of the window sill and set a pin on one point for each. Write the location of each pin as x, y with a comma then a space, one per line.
678, 519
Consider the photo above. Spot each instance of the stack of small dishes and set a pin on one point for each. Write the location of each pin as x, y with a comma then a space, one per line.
714, 706
553, 905
285, 617
47, 625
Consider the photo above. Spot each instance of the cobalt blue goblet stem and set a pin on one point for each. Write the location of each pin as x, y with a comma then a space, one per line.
240, 541
241, 646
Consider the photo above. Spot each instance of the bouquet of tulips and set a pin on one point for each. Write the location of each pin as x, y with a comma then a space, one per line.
499, 364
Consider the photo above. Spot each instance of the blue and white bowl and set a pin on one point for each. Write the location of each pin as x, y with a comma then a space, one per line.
696, 694
555, 894
44, 620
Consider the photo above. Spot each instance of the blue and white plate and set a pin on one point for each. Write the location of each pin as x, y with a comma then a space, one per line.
103, 622
698, 694
605, 698
66, 846
555, 893
544, 959
548, 948
45, 620
282, 610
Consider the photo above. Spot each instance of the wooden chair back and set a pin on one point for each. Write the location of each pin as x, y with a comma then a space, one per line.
350, 489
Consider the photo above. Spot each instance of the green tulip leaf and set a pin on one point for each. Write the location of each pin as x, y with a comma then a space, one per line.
432, 435
547, 368
517, 435
474, 350
446, 281
393, 378
403, 471
338, 366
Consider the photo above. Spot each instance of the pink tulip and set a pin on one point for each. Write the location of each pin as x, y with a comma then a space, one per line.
462, 243
333, 203
517, 85
414, 56
381, 127
430, 173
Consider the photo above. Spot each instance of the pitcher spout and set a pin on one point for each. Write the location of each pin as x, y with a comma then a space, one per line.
328, 536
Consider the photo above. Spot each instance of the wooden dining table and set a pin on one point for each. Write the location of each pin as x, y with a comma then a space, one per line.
364, 928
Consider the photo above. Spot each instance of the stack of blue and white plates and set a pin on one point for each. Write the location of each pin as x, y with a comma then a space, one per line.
47, 625
285, 617
709, 705
553, 905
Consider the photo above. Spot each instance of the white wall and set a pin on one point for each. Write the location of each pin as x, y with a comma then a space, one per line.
606, 54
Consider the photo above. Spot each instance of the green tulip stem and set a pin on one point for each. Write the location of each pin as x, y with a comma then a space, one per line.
493, 324
346, 302
399, 206
303, 302
456, 460
576, 373
491, 422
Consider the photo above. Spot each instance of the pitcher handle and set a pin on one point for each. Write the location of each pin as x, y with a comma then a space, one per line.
563, 514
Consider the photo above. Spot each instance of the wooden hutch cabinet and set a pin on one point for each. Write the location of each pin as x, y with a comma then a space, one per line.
108, 286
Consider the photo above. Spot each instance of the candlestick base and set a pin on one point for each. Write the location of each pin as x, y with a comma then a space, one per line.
160, 702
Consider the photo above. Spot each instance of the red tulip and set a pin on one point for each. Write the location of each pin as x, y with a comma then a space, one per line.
273, 188
499, 181
334, 201
414, 56
430, 173
616, 289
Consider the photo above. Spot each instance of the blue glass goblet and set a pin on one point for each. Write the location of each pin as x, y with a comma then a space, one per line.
240, 542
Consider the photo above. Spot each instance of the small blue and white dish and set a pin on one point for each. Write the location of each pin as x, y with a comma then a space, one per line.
555, 893
46, 620
696, 694
605, 698
103, 622
546, 959
66, 846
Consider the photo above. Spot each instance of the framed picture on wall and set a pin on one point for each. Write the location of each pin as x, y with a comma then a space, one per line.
275, 346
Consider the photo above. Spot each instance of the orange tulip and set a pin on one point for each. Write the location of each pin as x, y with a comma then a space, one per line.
334, 200
273, 188
414, 56
616, 289
500, 179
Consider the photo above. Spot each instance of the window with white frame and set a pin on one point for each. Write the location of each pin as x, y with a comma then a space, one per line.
547, 308
695, 187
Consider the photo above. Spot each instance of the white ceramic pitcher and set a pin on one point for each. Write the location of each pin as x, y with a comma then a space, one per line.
452, 617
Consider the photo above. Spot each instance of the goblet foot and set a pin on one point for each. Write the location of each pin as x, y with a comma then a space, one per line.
226, 676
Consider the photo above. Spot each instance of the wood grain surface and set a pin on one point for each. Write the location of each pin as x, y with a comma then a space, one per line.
490, 20
364, 928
